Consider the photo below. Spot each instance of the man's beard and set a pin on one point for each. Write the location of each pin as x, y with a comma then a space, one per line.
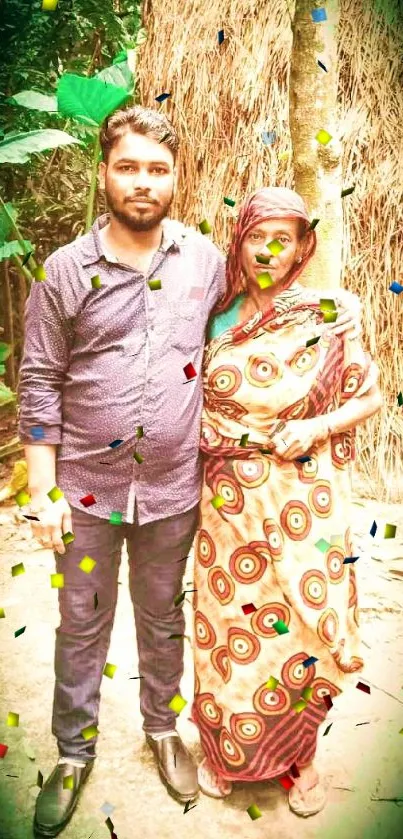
139, 221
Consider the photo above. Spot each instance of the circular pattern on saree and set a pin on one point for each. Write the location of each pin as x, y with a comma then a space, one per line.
304, 360
221, 663
308, 471
320, 498
313, 589
263, 619
356, 615
231, 492
205, 635
293, 673
275, 538
210, 435
225, 380
205, 549
252, 473
221, 585
352, 588
339, 459
247, 727
243, 647
230, 750
271, 702
247, 565
334, 562
328, 627
321, 687
209, 710
296, 411
296, 520
351, 380
263, 370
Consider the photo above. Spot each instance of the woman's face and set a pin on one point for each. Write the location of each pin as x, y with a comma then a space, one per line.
286, 231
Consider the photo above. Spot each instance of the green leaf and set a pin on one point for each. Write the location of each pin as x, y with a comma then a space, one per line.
5, 224
118, 74
8, 249
17, 148
6, 395
121, 56
33, 99
88, 100
5, 350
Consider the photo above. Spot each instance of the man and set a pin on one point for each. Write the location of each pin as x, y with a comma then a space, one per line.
106, 378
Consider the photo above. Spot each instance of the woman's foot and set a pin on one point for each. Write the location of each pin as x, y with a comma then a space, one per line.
308, 795
210, 782
308, 778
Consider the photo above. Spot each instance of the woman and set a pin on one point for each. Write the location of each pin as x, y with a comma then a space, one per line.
272, 587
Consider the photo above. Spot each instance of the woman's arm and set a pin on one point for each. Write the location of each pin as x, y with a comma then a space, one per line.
354, 411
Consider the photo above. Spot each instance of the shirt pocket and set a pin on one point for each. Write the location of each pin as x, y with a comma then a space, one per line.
187, 325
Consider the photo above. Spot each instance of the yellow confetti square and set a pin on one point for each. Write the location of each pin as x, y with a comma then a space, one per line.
18, 569
68, 782
177, 703
90, 731
275, 247
39, 274
96, 281
264, 280
204, 227
13, 720
217, 501
307, 694
55, 494
110, 670
2, 613
299, 706
49, 5
22, 498
272, 683
87, 564
57, 580
323, 137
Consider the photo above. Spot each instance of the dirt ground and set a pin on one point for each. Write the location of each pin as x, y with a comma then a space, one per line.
361, 757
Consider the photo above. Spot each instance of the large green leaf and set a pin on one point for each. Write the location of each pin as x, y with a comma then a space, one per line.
5, 350
16, 148
8, 249
33, 99
5, 224
118, 74
6, 395
88, 100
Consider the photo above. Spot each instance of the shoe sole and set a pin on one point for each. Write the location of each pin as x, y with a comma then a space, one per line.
49, 833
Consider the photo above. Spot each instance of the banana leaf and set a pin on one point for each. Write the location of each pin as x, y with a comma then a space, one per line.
34, 100
119, 74
5, 224
89, 100
5, 350
14, 248
6, 395
17, 148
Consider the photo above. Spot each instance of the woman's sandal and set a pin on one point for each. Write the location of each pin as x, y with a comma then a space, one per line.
210, 783
309, 802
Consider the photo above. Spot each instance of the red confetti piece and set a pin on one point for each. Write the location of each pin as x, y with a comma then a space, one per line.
328, 701
363, 687
286, 782
248, 608
3, 750
189, 371
88, 500
294, 771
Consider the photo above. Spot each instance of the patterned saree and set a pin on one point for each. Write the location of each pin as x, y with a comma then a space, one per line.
276, 545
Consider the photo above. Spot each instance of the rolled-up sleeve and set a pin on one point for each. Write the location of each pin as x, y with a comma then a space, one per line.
45, 361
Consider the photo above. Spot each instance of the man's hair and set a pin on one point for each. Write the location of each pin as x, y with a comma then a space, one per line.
138, 120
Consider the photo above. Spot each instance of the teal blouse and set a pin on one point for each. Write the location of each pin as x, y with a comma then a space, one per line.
220, 323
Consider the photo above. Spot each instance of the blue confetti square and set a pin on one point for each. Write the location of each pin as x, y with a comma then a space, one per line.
309, 661
318, 15
220, 36
37, 432
268, 137
107, 808
374, 528
396, 288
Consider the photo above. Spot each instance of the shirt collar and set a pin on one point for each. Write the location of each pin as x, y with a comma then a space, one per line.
173, 236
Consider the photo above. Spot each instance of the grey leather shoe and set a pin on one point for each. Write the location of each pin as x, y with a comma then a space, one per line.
55, 806
176, 767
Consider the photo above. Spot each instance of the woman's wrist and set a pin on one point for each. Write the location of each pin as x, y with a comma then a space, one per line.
324, 429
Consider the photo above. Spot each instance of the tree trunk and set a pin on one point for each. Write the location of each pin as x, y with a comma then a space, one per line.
313, 106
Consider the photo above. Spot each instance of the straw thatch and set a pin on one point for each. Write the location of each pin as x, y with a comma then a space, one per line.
224, 96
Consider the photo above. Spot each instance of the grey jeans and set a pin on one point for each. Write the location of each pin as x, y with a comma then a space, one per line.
82, 639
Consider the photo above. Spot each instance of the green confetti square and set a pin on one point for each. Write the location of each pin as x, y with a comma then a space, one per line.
229, 202
299, 706
68, 782
18, 569
13, 720
90, 731
2, 612
154, 285
323, 137
263, 260
39, 274
244, 440
87, 564
264, 280
322, 545
110, 670
57, 580
96, 281
272, 683
19, 632
217, 501
204, 227
115, 518
390, 531
139, 432
254, 812
55, 494
179, 598
137, 457
312, 341
68, 537
22, 498
280, 627
275, 247
177, 703
307, 694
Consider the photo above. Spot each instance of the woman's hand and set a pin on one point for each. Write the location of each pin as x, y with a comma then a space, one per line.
298, 437
349, 310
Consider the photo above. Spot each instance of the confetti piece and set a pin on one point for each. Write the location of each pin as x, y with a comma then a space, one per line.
88, 500
20, 631
110, 670
328, 701
322, 545
220, 36
68, 537
280, 627
299, 706
2, 612
177, 703
138, 457
165, 137
22, 498
179, 598
155, 285
275, 247
312, 341
244, 440
307, 694
107, 808
286, 782
189, 371
390, 531
229, 202
323, 137
115, 518
87, 564
318, 15
363, 687
96, 281
162, 97
268, 137
396, 288
314, 223
374, 528
322, 66
283, 155
49, 5
400, 732
114, 444
13, 720
4, 749
39, 780
27, 257
57, 580
39, 274
328, 309
294, 771
196, 293
139, 432
109, 824
187, 807
400, 399
309, 661
248, 608
30, 518
328, 729
217, 501
361, 723
68, 782
95, 601
347, 191
37, 432
337, 539
272, 683
254, 812
89, 732
16, 570
136, 677
55, 494
350, 559
264, 280
204, 227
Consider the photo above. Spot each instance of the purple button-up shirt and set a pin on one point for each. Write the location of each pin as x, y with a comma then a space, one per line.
99, 363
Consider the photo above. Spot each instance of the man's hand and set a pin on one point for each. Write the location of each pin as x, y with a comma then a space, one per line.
349, 310
297, 438
54, 521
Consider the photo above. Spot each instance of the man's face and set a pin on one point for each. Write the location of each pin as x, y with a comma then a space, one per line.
254, 244
138, 167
